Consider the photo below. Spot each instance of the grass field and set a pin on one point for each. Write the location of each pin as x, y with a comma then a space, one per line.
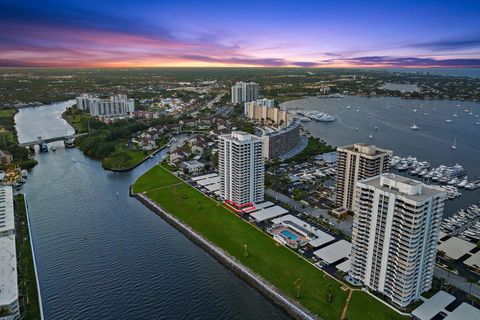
280, 266
29, 304
364, 306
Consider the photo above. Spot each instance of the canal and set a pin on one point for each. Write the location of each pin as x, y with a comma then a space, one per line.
103, 255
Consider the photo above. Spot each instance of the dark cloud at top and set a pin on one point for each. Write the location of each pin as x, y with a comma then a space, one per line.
450, 44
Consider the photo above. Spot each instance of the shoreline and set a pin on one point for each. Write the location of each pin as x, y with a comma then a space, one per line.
262, 286
40, 302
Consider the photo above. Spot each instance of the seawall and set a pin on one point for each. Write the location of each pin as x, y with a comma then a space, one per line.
266, 289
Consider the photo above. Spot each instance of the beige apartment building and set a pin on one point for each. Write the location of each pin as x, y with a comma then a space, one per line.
356, 162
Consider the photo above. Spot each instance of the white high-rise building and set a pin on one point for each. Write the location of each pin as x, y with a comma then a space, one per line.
116, 105
356, 162
245, 92
241, 168
396, 228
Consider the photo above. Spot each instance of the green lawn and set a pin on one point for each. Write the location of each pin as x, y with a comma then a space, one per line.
29, 304
123, 159
364, 306
275, 263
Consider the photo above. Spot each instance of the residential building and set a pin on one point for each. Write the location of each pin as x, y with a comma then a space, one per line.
5, 157
116, 105
192, 167
245, 92
395, 233
241, 169
279, 141
8, 256
261, 111
356, 162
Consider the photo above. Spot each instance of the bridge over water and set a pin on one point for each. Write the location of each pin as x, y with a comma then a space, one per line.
40, 140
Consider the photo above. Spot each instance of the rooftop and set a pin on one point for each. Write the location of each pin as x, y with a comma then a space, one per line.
7, 220
334, 252
406, 187
8, 270
268, 213
366, 149
455, 247
464, 312
434, 305
473, 261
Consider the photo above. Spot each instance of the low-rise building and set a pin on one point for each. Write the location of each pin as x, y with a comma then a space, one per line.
178, 155
192, 167
8, 257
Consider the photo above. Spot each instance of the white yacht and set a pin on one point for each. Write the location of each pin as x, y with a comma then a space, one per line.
414, 127
448, 121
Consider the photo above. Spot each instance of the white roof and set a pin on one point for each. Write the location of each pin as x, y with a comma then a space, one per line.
205, 176
7, 220
321, 237
268, 213
345, 265
464, 312
474, 260
8, 270
206, 182
213, 187
434, 305
455, 247
334, 252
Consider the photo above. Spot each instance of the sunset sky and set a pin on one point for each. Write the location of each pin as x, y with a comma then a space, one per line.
318, 33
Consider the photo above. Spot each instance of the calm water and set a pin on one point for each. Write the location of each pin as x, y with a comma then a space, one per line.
393, 117
105, 256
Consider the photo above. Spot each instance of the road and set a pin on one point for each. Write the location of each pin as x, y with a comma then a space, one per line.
216, 99
456, 281
345, 225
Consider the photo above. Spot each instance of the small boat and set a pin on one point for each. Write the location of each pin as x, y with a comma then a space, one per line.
376, 128
348, 107
358, 110
415, 110
455, 115
370, 136
356, 128
68, 142
448, 121
414, 127
24, 173
454, 146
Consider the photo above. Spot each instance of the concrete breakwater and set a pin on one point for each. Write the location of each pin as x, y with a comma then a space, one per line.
291, 308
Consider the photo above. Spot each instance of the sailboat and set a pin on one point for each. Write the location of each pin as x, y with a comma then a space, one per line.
454, 146
414, 127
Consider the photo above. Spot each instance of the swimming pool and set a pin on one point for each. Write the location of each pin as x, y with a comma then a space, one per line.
289, 235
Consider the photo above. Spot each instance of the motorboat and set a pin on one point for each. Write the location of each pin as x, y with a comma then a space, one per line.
414, 127
454, 146
448, 121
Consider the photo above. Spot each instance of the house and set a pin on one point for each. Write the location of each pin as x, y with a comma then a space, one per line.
199, 147
177, 155
188, 122
5, 157
147, 144
172, 127
192, 167
218, 132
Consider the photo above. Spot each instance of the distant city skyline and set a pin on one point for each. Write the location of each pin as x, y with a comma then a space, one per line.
227, 34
